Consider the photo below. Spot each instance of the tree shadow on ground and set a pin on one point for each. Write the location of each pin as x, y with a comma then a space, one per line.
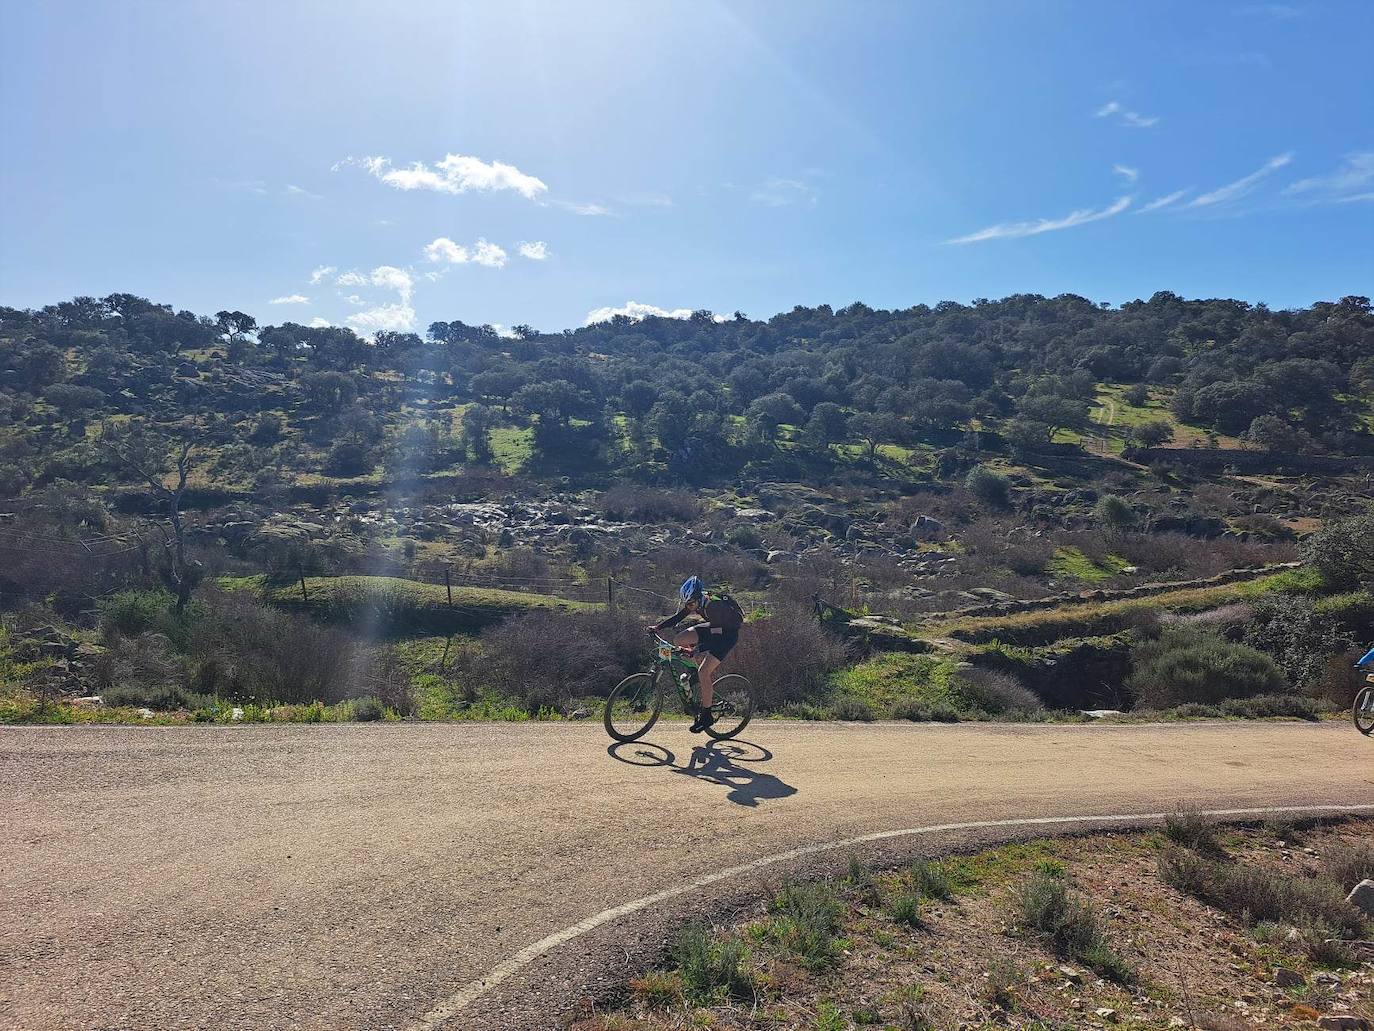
727, 763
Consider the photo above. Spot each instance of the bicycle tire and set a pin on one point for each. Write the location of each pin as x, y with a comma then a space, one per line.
1362, 711
736, 693
638, 692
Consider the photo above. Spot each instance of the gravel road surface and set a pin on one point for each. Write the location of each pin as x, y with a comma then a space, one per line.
374, 876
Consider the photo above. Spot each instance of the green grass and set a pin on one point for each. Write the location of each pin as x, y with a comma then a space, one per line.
887, 681
406, 607
1071, 562
512, 446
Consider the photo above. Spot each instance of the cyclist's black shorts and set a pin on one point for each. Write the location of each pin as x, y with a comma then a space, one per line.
716, 640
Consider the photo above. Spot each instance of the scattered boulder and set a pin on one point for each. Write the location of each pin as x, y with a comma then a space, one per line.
1362, 897
1285, 978
93, 701
1344, 1022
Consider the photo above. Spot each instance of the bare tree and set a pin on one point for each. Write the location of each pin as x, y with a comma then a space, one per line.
148, 463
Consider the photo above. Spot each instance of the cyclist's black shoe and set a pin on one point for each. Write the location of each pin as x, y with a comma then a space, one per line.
704, 719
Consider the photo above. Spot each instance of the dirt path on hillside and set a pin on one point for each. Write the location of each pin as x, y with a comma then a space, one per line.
374, 876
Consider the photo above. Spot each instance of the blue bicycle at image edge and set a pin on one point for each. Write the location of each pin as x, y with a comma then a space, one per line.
1362, 710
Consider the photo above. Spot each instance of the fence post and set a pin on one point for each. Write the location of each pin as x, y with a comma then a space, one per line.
304, 596
610, 593
448, 585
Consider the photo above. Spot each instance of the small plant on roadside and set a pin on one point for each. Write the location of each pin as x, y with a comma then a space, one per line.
804, 921
1348, 865
1046, 911
1187, 827
1000, 987
932, 880
658, 989
859, 877
905, 908
829, 1018
711, 967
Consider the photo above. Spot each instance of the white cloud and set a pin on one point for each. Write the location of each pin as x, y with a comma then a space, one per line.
636, 310
1127, 172
584, 209
1114, 108
1164, 202
1243, 185
290, 299
321, 272
355, 300
1351, 181
481, 253
779, 193
298, 191
1012, 230
388, 277
398, 318
535, 250
319, 323
456, 173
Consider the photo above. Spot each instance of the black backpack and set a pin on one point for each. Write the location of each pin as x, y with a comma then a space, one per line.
725, 612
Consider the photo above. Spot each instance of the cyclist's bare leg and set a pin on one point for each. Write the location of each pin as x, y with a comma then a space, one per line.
687, 639
706, 673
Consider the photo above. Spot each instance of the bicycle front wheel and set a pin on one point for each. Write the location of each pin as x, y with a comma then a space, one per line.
632, 708
1363, 711
733, 706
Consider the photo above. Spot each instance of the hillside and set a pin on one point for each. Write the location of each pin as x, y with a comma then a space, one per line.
179, 488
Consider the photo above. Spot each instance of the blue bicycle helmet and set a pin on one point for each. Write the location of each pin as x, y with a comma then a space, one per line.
692, 589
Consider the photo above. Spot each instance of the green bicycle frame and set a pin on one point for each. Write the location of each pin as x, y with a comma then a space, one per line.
673, 665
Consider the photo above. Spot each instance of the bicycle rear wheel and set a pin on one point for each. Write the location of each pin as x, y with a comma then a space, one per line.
733, 706
632, 708
1362, 711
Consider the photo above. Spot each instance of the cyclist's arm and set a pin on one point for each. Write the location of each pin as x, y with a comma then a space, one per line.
673, 620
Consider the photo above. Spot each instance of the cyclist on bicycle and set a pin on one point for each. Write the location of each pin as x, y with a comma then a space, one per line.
710, 639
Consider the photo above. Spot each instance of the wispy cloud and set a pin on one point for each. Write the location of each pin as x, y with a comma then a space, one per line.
1126, 172
456, 173
778, 192
299, 191
647, 200
1165, 201
290, 299
1124, 116
1353, 180
636, 310
1235, 190
581, 208
535, 250
321, 272
1270, 12
1034, 227
480, 253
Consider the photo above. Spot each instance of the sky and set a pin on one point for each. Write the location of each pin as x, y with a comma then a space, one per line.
550, 162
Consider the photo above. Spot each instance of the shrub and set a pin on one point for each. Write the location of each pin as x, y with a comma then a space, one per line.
711, 967
650, 505
787, 656
932, 879
991, 488
1188, 665
994, 692
130, 613
1348, 865
905, 908
367, 710
548, 658
805, 918
1343, 552
1299, 637
1255, 894
926, 712
1070, 927
1270, 705
854, 710
1191, 830
1113, 513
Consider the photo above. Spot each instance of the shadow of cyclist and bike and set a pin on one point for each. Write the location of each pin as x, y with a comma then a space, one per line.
730, 764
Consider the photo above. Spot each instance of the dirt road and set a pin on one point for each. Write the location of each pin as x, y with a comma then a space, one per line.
389, 876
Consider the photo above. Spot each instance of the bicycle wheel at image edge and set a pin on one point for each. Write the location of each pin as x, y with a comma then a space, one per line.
1362, 711
733, 706
632, 708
